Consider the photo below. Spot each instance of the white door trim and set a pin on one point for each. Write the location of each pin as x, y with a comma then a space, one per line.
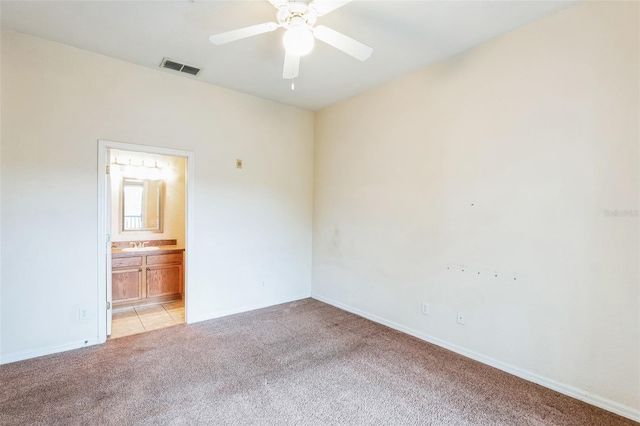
104, 221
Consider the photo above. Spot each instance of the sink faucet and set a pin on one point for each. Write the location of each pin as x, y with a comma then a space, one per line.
134, 245
143, 243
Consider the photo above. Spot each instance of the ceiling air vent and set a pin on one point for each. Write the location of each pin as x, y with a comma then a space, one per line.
177, 66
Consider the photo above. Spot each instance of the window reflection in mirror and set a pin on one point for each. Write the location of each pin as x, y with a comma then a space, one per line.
141, 205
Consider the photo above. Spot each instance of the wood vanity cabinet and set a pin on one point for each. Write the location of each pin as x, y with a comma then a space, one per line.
146, 278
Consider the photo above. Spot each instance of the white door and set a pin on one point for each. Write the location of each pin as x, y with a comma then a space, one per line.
107, 196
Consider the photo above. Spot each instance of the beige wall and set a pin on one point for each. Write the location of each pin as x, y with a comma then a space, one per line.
1, 325
174, 201
251, 227
501, 160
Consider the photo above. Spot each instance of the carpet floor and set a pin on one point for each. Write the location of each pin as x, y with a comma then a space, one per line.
300, 363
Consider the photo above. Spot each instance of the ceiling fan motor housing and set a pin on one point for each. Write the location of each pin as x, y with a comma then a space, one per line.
296, 14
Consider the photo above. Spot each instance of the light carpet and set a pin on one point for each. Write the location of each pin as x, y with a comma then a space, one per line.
300, 363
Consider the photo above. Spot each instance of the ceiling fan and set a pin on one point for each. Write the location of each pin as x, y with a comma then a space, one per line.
298, 18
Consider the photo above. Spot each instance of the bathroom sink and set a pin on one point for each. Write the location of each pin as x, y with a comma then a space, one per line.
152, 248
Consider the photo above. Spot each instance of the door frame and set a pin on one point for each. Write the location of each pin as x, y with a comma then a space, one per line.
104, 222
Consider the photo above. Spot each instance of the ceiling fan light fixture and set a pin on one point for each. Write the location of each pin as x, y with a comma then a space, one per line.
298, 40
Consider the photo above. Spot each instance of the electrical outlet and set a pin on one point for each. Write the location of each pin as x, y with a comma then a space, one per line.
83, 314
460, 318
425, 308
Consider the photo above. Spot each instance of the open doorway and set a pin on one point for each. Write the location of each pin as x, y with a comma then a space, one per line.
144, 245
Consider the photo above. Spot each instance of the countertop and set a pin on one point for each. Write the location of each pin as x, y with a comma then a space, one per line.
115, 252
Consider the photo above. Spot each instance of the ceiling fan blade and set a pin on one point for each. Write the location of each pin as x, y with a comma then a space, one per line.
234, 35
278, 3
291, 66
322, 7
342, 42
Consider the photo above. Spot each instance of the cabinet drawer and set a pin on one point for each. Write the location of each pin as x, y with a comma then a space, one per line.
160, 259
122, 262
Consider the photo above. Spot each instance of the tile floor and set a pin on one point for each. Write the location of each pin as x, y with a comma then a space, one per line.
146, 318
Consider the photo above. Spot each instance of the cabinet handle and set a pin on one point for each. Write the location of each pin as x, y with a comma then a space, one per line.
148, 269
139, 269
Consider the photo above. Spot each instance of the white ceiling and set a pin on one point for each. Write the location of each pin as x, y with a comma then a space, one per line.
405, 36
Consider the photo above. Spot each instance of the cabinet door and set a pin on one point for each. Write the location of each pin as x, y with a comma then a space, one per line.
126, 284
163, 280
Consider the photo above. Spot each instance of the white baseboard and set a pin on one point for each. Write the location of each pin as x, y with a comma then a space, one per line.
568, 390
48, 350
218, 314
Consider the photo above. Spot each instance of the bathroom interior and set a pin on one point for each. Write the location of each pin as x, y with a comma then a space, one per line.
148, 206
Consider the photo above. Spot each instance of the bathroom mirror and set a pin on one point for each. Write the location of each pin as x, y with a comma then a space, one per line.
141, 205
